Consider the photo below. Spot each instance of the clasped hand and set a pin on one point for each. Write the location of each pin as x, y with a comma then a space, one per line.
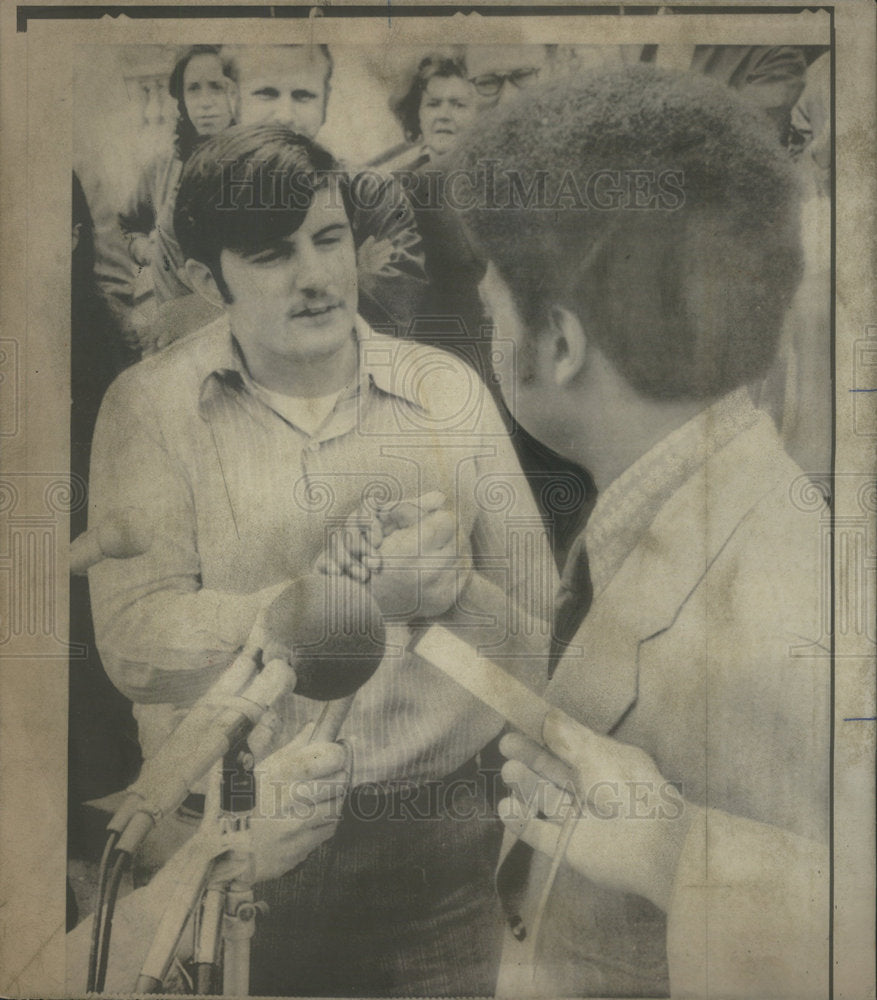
408, 554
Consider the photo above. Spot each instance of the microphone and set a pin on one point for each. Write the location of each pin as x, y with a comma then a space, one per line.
332, 628
339, 639
122, 534
322, 637
492, 685
452, 648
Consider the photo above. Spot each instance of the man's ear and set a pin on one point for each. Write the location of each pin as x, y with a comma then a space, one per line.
568, 344
201, 279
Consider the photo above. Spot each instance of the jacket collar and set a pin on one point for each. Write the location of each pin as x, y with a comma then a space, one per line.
597, 679
626, 508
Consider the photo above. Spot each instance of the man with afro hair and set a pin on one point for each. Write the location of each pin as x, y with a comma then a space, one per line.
641, 233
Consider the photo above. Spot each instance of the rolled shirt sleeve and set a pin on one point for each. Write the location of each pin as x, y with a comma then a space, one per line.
162, 637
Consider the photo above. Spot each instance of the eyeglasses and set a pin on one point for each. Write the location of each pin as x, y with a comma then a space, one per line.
490, 84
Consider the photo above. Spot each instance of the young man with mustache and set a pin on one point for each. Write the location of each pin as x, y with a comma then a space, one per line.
249, 444
290, 85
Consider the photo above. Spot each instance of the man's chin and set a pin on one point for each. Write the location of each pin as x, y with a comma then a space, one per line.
322, 333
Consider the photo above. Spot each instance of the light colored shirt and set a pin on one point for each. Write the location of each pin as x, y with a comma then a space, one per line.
241, 500
307, 413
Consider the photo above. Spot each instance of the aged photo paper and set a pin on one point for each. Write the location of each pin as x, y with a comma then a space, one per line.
438, 523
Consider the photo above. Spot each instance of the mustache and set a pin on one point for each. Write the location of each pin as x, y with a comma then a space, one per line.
314, 308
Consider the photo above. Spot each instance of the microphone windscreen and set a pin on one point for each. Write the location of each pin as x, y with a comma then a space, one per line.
332, 631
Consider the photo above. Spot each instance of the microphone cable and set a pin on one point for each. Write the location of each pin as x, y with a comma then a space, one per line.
96, 927
120, 866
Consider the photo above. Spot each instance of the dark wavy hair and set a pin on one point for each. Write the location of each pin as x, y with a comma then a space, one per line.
407, 108
186, 136
685, 300
248, 187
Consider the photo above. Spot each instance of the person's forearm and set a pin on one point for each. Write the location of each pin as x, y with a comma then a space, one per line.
391, 295
168, 646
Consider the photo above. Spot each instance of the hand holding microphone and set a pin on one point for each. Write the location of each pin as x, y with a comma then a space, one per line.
356, 549
628, 824
563, 769
300, 791
321, 637
295, 817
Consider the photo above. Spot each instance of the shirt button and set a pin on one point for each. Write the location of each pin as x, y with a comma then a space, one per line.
314, 446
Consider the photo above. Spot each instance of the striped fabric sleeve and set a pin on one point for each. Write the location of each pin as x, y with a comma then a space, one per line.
161, 636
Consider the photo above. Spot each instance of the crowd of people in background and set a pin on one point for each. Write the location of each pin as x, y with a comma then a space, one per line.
418, 273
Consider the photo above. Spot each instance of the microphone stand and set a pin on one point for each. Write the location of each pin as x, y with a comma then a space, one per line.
238, 803
219, 894
217, 728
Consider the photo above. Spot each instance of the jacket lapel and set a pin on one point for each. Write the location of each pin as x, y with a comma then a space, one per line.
596, 680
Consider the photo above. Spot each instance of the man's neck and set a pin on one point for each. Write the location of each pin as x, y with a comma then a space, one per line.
306, 377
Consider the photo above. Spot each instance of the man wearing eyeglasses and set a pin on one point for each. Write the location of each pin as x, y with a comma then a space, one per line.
499, 72
451, 315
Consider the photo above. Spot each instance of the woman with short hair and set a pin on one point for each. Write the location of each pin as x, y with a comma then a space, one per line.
438, 106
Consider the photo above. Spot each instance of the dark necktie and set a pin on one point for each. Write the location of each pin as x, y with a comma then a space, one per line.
572, 602
571, 606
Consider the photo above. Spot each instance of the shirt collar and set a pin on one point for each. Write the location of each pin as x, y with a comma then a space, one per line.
375, 349
628, 506
220, 363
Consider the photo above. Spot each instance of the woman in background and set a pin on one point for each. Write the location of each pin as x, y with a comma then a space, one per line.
438, 107
203, 85
436, 110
